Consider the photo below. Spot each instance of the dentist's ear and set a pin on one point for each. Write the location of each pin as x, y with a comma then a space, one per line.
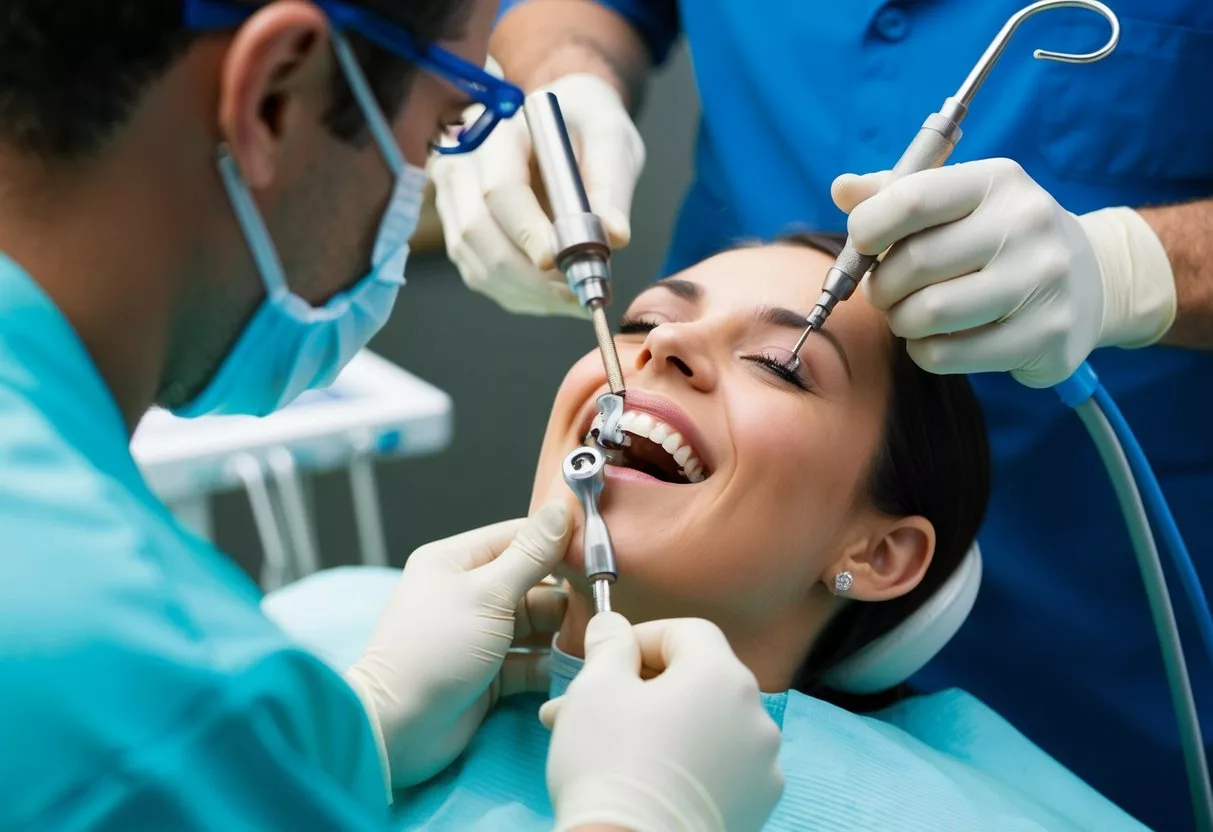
277, 73
889, 564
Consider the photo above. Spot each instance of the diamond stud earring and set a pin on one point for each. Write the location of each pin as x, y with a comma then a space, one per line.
843, 581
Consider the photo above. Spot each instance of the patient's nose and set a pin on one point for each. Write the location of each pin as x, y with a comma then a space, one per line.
675, 348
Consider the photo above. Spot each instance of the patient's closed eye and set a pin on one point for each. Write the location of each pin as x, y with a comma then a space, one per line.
781, 367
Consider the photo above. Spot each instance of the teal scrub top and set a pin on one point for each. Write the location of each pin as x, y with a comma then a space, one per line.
140, 685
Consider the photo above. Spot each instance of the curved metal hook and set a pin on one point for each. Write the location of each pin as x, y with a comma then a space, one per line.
995, 49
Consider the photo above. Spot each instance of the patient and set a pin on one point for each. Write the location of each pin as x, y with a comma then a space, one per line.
755, 489
860, 462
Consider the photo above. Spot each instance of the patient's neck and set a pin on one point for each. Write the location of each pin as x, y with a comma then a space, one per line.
773, 648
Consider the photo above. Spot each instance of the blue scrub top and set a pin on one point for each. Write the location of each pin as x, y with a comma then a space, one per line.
795, 93
140, 685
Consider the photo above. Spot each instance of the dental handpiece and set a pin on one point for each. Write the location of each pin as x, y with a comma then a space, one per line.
583, 472
937, 138
929, 149
582, 251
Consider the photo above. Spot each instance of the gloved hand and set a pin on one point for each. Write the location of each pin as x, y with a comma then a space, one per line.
496, 232
991, 274
438, 658
692, 749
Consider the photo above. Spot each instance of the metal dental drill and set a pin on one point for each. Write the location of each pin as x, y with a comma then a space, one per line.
937, 138
582, 251
583, 473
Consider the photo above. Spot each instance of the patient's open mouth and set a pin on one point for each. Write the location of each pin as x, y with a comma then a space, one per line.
655, 448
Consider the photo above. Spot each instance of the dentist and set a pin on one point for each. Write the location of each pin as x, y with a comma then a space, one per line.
207, 205
1098, 241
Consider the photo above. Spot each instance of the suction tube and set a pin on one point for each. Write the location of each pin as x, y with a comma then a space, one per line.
1127, 467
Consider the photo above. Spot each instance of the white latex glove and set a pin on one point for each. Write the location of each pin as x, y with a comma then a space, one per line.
496, 232
990, 273
692, 749
438, 658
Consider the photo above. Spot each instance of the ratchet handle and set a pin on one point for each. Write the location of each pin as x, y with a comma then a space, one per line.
583, 473
929, 149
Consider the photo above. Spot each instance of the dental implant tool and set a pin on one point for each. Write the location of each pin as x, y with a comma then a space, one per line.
581, 249
936, 140
583, 472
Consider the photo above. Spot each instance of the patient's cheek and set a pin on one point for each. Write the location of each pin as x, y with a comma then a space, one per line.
822, 458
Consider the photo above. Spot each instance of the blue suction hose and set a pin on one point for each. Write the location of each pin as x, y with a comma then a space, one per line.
1085, 385
1131, 475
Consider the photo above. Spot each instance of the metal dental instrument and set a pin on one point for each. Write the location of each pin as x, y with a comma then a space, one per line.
582, 251
937, 138
583, 254
583, 473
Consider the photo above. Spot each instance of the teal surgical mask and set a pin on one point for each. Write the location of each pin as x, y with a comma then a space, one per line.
290, 346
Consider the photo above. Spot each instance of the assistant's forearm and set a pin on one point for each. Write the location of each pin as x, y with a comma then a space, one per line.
539, 41
1186, 232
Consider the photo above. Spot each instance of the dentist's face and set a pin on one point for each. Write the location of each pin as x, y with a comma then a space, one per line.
321, 195
327, 232
761, 489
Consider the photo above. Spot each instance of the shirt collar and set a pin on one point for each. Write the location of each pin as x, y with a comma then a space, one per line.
45, 362
564, 668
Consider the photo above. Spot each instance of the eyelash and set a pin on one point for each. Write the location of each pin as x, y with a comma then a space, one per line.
640, 326
637, 326
780, 369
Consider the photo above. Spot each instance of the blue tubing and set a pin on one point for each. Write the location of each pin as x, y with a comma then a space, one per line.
1083, 385
1160, 515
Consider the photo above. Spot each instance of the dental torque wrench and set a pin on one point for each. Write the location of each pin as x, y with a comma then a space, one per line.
583, 472
581, 249
937, 138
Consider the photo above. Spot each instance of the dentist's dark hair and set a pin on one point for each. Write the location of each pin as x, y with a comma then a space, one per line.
934, 462
73, 71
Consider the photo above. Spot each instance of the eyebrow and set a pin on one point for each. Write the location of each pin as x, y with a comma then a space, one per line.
684, 289
774, 315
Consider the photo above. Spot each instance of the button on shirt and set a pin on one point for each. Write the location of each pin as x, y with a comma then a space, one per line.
892, 24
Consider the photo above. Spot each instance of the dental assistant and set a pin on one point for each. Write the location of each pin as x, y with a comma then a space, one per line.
1097, 241
208, 205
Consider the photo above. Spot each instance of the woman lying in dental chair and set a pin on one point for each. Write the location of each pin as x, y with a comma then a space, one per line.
810, 514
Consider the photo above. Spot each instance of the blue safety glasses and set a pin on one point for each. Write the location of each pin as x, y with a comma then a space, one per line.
500, 99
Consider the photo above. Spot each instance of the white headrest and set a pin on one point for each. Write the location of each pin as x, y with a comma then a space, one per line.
899, 654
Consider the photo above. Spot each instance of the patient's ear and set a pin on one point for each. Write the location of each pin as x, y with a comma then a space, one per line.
891, 562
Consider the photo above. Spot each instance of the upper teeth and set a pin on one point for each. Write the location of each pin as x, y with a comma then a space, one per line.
659, 433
